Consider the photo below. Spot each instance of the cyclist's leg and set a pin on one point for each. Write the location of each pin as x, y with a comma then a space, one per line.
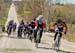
31, 34
60, 35
20, 33
35, 35
10, 29
24, 31
7, 29
41, 31
55, 35
13, 30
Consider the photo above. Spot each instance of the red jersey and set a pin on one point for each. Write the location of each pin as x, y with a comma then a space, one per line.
43, 25
61, 25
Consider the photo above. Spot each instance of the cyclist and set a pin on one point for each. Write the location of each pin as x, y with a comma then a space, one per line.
14, 26
33, 31
41, 26
10, 23
20, 30
59, 27
30, 31
35, 25
26, 28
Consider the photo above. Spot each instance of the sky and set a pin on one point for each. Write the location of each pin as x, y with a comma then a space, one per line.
62, 1
65, 1
72, 1
68, 1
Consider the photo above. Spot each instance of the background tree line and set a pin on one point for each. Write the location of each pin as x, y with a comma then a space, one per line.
28, 9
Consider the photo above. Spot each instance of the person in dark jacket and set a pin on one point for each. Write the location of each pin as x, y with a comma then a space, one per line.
10, 25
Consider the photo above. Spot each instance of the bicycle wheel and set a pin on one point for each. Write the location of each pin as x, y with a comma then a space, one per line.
58, 46
54, 45
57, 43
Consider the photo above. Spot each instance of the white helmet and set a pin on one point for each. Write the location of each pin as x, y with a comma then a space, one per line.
40, 16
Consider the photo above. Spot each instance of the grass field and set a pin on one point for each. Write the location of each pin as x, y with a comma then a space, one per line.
3, 20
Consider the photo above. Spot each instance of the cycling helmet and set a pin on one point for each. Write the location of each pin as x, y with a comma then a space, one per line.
58, 20
39, 17
11, 21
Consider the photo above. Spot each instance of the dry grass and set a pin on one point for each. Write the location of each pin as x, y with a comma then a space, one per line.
70, 37
71, 33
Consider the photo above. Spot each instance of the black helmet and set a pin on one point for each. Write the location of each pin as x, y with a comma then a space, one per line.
34, 19
58, 20
11, 20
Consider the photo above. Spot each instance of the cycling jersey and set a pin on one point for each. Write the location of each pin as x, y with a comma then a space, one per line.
60, 26
43, 25
10, 22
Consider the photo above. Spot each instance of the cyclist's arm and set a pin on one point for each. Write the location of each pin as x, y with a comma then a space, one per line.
54, 25
66, 28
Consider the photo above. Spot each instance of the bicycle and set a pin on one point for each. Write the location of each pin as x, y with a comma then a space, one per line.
38, 37
56, 44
